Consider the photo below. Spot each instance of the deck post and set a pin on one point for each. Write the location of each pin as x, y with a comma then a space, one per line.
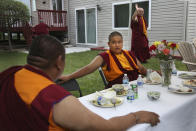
3, 36
18, 36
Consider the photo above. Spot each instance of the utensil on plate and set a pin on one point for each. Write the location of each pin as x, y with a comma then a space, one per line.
113, 101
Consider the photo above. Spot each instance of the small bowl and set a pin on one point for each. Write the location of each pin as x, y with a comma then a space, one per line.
119, 88
153, 95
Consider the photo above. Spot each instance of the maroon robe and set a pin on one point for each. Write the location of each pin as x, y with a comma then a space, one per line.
15, 115
132, 74
139, 42
41, 29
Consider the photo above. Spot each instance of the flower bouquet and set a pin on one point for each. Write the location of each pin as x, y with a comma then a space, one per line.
164, 51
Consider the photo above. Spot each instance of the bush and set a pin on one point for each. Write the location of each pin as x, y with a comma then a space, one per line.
13, 11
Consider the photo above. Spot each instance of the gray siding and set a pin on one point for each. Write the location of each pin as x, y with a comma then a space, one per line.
167, 21
191, 21
39, 5
104, 20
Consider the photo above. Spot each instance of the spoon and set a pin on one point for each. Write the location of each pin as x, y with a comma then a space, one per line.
113, 100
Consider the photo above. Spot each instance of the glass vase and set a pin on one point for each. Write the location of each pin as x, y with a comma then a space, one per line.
166, 71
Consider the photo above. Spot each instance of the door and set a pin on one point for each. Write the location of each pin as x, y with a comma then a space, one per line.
58, 6
86, 26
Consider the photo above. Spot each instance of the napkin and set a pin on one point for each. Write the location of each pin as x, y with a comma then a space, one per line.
105, 97
155, 77
180, 87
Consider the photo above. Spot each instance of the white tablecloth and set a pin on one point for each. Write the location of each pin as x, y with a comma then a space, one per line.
177, 111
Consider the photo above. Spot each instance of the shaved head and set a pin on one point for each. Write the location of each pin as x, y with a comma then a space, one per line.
44, 51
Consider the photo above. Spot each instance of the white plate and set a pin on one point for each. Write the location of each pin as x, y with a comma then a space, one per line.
181, 92
119, 102
190, 83
150, 83
187, 76
123, 94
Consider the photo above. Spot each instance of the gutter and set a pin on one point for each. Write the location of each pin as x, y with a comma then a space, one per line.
186, 20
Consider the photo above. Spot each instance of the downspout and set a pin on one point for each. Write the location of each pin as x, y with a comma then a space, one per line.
129, 30
68, 26
186, 20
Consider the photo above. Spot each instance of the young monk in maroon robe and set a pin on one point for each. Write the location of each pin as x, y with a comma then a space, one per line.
31, 101
115, 62
139, 42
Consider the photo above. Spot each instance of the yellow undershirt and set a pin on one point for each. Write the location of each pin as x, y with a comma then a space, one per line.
124, 62
144, 28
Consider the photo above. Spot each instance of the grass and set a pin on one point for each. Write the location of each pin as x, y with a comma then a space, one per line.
74, 61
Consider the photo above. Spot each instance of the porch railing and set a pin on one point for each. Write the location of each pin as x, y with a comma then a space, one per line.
53, 18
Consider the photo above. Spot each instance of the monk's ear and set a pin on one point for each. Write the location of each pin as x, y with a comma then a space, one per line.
60, 63
108, 43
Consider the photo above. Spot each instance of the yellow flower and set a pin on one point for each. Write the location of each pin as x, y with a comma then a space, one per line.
156, 43
177, 46
169, 44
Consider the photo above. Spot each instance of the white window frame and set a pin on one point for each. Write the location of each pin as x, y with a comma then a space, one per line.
34, 5
51, 6
149, 11
128, 2
85, 8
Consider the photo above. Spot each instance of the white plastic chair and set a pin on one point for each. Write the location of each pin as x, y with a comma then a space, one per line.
186, 50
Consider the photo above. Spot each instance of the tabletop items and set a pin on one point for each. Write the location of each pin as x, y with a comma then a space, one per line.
152, 78
187, 75
180, 89
106, 99
153, 95
115, 96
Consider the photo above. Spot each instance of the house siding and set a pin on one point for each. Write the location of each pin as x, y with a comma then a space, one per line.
39, 5
167, 21
191, 21
104, 20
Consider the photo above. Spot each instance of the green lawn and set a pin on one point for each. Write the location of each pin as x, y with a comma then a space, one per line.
74, 61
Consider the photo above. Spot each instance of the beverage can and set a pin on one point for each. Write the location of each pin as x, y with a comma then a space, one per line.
130, 95
135, 90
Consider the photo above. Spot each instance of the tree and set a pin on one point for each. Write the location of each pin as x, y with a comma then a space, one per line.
12, 12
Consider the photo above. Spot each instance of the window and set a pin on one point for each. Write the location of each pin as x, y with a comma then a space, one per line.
121, 13
57, 4
145, 6
33, 5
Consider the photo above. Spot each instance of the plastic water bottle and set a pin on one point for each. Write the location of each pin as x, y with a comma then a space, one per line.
130, 95
125, 79
174, 70
140, 82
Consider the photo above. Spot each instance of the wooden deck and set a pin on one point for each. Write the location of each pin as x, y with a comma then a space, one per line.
56, 20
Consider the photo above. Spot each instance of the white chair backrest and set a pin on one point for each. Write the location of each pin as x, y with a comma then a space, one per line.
186, 50
194, 43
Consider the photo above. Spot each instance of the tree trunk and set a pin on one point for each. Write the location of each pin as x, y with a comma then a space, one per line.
9, 41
